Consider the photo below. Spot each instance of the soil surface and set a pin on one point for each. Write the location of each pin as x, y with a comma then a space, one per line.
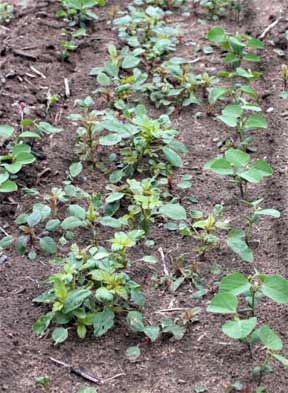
204, 357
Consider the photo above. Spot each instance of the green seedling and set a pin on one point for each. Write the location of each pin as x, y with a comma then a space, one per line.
256, 214
120, 79
44, 382
122, 241
66, 48
86, 294
164, 4
51, 100
205, 230
239, 47
236, 165
145, 203
174, 83
79, 12
252, 289
6, 13
15, 154
241, 92
217, 8
49, 226
146, 29
240, 118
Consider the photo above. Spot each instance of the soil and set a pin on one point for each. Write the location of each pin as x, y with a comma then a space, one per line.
204, 357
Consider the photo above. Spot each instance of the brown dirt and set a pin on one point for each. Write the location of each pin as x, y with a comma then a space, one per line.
204, 357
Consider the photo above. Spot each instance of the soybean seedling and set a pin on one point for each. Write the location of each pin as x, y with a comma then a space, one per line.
256, 214
79, 12
248, 331
236, 165
238, 47
44, 382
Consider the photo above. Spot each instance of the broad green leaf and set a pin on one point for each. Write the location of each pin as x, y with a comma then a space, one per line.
103, 79
237, 157
268, 212
8, 186
223, 303
52, 225
110, 139
75, 169
6, 131
173, 211
115, 196
133, 353
169, 326
24, 158
269, 338
48, 245
71, 223
21, 244
152, 332
220, 166
103, 321
130, 61
216, 35
34, 218
230, 115
136, 321
235, 284
42, 324
104, 295
239, 246
59, 335
6, 241
77, 211
172, 157
216, 93
4, 177
256, 173
75, 299
48, 129
276, 288
239, 329
255, 121
60, 289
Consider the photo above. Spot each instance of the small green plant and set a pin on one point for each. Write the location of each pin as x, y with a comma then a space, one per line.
6, 13
173, 83
256, 214
44, 382
87, 293
217, 8
146, 29
145, 203
14, 154
66, 48
236, 165
79, 12
252, 290
165, 4
120, 79
284, 75
238, 47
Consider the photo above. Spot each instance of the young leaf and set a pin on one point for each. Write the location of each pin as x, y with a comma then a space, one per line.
172, 157
47, 244
269, 338
6, 131
152, 332
281, 359
103, 321
173, 211
223, 303
136, 321
276, 288
59, 335
239, 329
235, 284
133, 353
75, 169
71, 223
239, 246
